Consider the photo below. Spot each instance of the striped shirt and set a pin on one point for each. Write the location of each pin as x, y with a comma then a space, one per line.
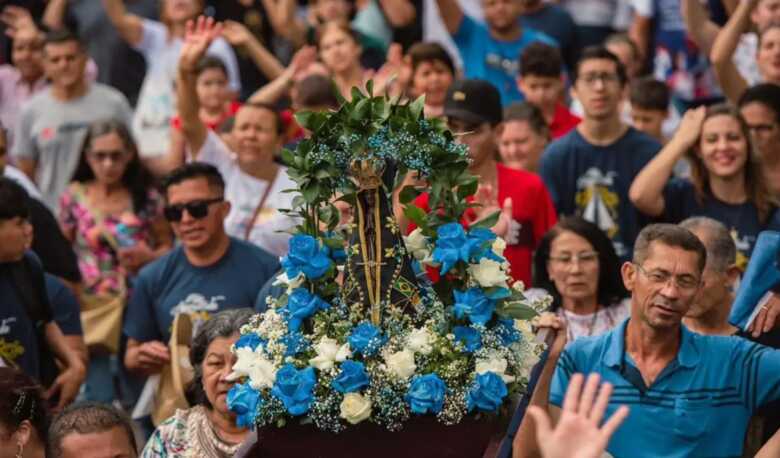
698, 406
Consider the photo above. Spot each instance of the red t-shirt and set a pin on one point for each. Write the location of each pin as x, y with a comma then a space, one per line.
532, 208
563, 121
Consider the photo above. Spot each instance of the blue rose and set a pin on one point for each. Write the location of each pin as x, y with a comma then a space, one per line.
305, 255
474, 304
450, 243
339, 255
300, 305
352, 377
480, 245
506, 331
251, 340
295, 388
366, 339
487, 392
295, 343
245, 401
469, 337
426, 394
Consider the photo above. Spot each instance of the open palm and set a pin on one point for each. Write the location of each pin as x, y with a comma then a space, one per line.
198, 36
577, 434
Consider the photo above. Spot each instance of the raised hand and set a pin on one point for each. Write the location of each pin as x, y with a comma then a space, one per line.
690, 126
16, 18
236, 33
302, 59
577, 434
198, 36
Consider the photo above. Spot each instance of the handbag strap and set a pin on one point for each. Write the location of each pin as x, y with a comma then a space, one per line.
259, 207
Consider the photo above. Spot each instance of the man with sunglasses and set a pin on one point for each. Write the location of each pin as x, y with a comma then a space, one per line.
208, 272
689, 394
589, 170
474, 114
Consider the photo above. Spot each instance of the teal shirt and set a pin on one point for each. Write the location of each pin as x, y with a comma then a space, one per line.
700, 404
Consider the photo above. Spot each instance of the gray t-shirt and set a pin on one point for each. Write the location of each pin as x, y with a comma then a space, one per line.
52, 133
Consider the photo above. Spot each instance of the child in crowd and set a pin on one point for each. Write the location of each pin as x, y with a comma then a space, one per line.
649, 106
432, 72
216, 103
541, 81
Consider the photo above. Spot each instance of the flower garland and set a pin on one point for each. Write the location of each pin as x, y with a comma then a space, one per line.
313, 358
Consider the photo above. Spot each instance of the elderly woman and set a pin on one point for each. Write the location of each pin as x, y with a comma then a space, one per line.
577, 265
24, 417
208, 428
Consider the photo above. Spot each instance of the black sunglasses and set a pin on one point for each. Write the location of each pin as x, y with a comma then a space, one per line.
197, 209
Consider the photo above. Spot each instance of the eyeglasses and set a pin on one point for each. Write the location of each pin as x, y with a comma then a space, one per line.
197, 209
581, 258
102, 156
606, 78
686, 283
761, 129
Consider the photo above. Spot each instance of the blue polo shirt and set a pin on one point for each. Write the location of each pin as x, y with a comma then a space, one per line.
700, 404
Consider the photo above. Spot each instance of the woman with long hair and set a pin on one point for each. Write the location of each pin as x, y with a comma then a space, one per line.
112, 214
726, 181
576, 264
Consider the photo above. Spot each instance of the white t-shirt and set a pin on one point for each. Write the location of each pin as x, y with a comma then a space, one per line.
745, 59
598, 13
270, 227
157, 99
19, 177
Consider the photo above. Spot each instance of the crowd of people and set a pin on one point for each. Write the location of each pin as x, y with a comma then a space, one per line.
630, 147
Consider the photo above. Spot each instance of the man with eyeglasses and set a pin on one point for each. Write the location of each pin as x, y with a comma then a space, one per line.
689, 395
490, 51
589, 170
474, 114
207, 273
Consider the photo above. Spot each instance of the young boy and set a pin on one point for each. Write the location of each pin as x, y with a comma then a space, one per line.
649, 106
541, 82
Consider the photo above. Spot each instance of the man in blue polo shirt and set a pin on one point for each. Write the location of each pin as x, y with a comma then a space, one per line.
690, 395
491, 51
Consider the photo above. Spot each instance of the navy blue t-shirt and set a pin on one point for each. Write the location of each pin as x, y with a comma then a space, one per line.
171, 285
593, 182
64, 306
18, 341
741, 219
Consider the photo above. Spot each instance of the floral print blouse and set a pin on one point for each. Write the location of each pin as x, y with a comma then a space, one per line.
188, 433
94, 244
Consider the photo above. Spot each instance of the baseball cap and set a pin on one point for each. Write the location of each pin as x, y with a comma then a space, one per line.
474, 101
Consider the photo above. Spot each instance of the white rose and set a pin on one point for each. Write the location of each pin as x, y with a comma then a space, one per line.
417, 244
419, 341
291, 283
401, 364
355, 408
260, 370
499, 245
524, 326
328, 352
488, 273
494, 364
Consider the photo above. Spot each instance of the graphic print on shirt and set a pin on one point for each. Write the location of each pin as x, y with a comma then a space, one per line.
743, 244
598, 203
9, 350
198, 308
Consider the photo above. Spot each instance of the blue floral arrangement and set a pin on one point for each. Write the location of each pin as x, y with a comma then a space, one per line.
313, 357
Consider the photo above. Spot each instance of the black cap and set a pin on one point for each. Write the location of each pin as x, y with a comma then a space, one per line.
473, 101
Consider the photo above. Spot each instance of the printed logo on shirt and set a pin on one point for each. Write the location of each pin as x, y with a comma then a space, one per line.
597, 203
743, 244
198, 308
9, 350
